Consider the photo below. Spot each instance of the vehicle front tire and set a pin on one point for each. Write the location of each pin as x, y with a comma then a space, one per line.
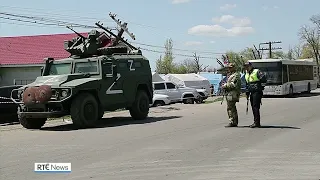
140, 107
158, 103
32, 123
188, 99
291, 91
85, 111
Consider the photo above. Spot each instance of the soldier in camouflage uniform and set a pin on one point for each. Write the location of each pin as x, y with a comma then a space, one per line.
232, 89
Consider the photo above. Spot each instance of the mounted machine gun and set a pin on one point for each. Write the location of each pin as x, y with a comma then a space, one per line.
100, 43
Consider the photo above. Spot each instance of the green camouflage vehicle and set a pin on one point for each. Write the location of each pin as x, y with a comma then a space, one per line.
103, 73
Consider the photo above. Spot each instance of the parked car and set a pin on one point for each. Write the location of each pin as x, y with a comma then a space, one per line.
176, 94
204, 95
160, 100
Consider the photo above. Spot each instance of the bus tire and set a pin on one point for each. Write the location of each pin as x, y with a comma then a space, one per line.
309, 88
291, 91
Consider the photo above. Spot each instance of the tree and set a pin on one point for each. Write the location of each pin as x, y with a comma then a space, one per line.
166, 65
279, 55
235, 58
187, 66
159, 66
248, 54
197, 66
211, 69
311, 36
297, 51
306, 52
315, 19
290, 54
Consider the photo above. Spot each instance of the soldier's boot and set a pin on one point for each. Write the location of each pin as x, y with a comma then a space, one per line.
231, 125
256, 123
233, 118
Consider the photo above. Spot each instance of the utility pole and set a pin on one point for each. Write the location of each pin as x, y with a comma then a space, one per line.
270, 47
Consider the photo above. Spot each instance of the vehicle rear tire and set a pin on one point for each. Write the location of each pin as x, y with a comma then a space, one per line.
309, 88
158, 103
188, 99
199, 101
85, 111
32, 123
140, 107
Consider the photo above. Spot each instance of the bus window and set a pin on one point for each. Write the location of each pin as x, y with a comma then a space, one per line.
285, 73
300, 73
273, 71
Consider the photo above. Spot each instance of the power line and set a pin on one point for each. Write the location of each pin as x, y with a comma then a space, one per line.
177, 54
31, 25
54, 20
37, 21
87, 26
57, 22
51, 14
28, 21
186, 50
87, 12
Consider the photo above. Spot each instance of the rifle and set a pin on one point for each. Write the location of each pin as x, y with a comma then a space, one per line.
247, 106
223, 92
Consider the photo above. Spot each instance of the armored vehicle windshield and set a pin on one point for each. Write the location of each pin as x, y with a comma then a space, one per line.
60, 68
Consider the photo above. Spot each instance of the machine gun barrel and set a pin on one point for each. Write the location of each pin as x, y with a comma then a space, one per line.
76, 32
120, 38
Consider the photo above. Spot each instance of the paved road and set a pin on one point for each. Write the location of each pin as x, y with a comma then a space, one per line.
188, 142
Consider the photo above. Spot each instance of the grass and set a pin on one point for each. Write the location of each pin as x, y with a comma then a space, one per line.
219, 99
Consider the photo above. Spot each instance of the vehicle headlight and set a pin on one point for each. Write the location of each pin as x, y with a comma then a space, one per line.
64, 93
19, 93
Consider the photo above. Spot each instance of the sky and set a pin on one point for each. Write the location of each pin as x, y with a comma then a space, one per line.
208, 27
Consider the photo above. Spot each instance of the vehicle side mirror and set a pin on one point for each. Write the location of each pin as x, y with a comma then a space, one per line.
41, 71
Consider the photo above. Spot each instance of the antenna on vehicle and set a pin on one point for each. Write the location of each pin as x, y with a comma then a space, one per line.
123, 28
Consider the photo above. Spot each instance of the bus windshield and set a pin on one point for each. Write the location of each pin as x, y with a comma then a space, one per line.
60, 68
273, 71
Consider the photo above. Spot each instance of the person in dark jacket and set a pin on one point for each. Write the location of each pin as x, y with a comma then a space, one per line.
254, 89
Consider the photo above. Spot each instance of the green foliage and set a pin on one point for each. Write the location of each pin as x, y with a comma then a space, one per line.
237, 59
165, 65
307, 52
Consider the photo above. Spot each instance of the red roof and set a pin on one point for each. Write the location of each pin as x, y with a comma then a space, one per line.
33, 49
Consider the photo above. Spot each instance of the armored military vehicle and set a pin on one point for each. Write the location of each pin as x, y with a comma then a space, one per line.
103, 73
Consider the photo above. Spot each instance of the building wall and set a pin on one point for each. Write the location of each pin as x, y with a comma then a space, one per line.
20, 75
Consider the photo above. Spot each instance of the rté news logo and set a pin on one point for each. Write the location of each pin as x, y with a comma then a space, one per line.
52, 167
